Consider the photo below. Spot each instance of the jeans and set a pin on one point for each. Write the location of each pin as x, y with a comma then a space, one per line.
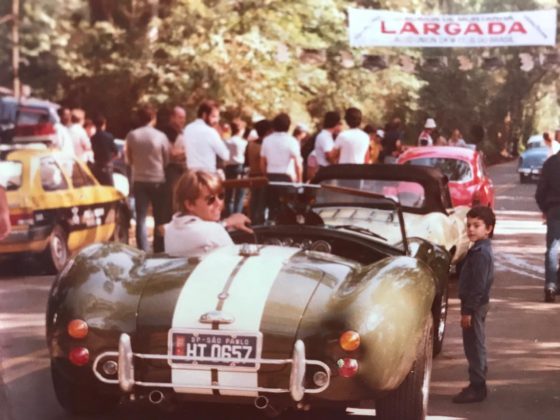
146, 193
234, 197
475, 348
552, 249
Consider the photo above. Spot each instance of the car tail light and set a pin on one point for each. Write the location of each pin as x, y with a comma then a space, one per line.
25, 217
79, 356
77, 328
347, 367
349, 340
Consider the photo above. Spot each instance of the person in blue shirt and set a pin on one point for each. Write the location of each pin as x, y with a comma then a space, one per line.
475, 281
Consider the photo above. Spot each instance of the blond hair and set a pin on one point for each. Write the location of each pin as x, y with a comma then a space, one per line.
190, 187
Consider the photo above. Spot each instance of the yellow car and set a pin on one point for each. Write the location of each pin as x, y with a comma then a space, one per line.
57, 206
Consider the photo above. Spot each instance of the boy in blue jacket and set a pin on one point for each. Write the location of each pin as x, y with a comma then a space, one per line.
475, 281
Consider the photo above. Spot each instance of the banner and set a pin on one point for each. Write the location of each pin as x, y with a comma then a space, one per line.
375, 28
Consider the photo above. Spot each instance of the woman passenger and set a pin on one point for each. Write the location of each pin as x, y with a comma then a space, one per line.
196, 228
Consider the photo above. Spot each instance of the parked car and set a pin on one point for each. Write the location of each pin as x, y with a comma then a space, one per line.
469, 182
532, 160
304, 314
57, 206
28, 118
423, 194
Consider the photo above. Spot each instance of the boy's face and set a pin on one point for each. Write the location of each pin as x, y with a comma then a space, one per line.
477, 229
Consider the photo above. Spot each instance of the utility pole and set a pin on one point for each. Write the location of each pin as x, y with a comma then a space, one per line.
15, 48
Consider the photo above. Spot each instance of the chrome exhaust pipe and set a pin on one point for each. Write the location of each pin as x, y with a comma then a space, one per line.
262, 403
156, 397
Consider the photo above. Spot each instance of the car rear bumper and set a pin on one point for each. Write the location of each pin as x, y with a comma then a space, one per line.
126, 378
22, 239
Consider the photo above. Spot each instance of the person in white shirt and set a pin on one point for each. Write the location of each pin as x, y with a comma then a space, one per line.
280, 152
234, 167
196, 228
280, 161
202, 141
352, 145
324, 143
63, 138
80, 139
425, 137
5, 225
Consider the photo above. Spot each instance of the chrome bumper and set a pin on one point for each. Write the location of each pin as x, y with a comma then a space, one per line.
126, 379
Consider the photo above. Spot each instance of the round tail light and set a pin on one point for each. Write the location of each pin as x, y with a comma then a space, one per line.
349, 340
347, 367
77, 328
79, 356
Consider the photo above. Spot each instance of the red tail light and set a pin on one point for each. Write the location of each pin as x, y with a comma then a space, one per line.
25, 217
347, 367
79, 356
77, 328
39, 129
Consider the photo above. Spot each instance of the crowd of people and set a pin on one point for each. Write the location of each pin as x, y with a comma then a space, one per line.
158, 154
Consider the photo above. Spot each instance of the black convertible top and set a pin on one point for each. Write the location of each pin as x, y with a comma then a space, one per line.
434, 182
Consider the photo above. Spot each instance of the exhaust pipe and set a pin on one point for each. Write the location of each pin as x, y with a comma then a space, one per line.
262, 403
156, 397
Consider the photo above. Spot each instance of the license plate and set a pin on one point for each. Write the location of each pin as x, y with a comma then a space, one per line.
219, 346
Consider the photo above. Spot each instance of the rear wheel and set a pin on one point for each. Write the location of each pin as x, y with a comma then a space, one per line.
410, 400
440, 319
57, 250
77, 397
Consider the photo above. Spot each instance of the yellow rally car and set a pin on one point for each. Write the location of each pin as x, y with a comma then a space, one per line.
57, 206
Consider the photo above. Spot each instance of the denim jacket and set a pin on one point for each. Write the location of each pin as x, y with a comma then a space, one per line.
477, 275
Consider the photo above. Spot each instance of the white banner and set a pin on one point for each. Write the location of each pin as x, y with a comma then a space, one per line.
371, 28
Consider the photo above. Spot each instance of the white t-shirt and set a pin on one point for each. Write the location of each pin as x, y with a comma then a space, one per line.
63, 139
81, 141
281, 151
324, 143
425, 139
236, 146
553, 148
190, 236
202, 144
353, 145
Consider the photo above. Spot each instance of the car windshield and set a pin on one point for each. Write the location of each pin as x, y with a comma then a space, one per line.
456, 170
12, 172
367, 207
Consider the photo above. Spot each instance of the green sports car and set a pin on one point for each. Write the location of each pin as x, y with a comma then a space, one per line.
302, 315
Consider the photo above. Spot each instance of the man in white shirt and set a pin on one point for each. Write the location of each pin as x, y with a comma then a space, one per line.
352, 145
5, 225
280, 153
280, 160
324, 143
202, 141
80, 139
63, 138
552, 145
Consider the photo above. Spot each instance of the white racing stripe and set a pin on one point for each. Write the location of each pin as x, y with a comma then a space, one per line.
200, 295
247, 299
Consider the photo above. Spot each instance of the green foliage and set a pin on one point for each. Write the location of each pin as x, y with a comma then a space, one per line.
253, 55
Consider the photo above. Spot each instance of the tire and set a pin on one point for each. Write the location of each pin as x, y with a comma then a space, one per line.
522, 179
77, 397
122, 226
440, 319
410, 400
57, 252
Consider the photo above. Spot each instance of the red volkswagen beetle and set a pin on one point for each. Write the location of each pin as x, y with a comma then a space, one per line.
469, 183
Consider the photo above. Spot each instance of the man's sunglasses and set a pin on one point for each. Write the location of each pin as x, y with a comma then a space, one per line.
211, 199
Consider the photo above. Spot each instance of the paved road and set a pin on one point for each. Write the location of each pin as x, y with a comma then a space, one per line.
523, 337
